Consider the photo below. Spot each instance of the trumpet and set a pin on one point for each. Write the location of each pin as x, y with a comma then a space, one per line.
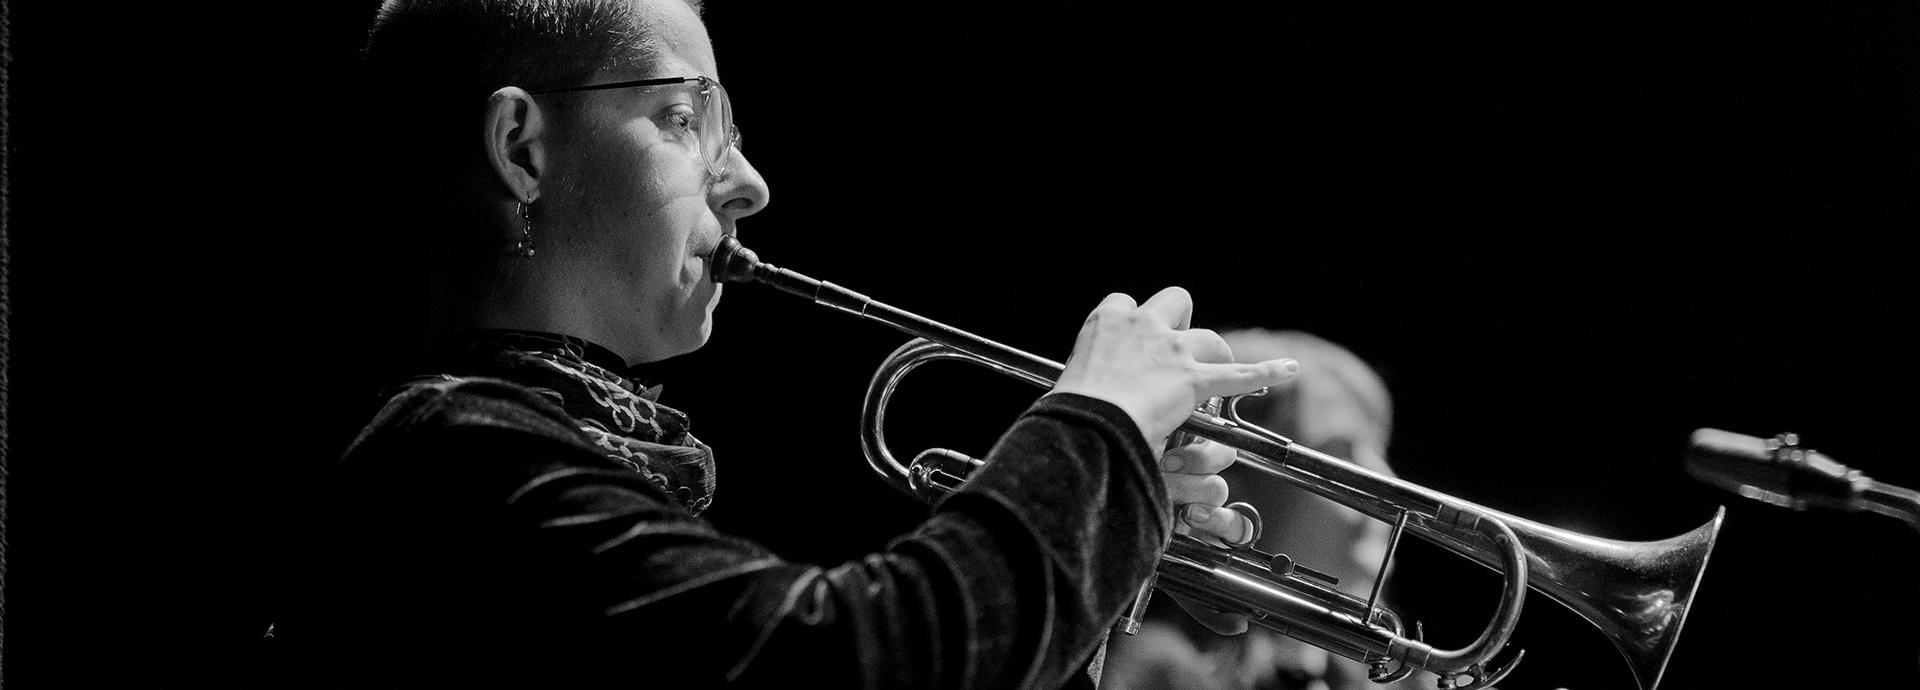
1637, 593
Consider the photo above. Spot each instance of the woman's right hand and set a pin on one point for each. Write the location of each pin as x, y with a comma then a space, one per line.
1144, 359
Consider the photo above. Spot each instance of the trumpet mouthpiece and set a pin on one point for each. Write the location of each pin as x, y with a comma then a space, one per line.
732, 262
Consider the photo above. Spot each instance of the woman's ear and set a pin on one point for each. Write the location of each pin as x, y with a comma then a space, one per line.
516, 141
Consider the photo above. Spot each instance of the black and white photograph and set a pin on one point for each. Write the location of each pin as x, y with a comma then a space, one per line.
1060, 344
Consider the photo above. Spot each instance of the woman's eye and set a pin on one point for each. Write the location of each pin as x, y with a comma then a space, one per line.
683, 122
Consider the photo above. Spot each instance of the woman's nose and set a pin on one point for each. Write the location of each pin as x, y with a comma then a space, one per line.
742, 191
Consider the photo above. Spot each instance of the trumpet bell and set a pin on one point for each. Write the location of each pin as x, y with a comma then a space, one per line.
1637, 593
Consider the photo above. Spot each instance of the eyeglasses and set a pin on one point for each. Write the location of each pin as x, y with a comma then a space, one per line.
712, 126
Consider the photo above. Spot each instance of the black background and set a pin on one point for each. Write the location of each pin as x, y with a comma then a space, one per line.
1568, 233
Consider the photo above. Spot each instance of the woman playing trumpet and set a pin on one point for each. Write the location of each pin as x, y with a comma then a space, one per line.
530, 515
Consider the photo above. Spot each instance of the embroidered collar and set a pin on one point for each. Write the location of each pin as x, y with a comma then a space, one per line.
619, 414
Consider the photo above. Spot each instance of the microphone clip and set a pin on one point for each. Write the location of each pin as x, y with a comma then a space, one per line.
1811, 477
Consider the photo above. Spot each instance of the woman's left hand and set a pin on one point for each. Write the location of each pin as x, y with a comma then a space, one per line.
1198, 493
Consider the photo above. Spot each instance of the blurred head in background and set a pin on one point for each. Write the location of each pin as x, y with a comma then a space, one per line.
1336, 404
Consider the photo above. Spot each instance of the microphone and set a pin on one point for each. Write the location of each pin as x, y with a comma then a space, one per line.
1779, 471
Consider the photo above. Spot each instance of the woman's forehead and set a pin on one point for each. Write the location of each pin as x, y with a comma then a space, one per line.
682, 47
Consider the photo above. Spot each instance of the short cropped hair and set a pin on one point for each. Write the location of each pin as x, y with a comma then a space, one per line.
430, 64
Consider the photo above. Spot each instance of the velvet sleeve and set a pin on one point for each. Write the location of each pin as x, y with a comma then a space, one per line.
472, 510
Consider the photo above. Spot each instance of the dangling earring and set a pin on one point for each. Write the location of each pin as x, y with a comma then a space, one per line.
524, 246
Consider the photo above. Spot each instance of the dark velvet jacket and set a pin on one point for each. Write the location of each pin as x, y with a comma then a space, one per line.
472, 537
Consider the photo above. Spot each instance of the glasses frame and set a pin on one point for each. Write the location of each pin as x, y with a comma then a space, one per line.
716, 162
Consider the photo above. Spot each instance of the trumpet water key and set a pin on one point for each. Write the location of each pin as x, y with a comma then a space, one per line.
1637, 593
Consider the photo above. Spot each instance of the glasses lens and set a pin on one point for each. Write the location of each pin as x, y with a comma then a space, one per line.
716, 134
